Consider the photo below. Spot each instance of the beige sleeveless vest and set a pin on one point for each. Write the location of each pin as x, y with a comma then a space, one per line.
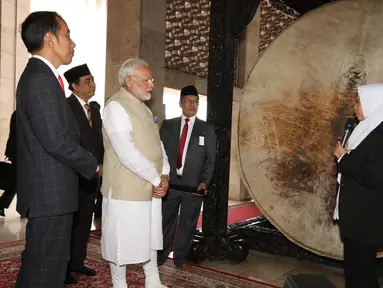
125, 184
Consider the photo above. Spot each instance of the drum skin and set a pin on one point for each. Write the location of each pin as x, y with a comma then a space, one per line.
294, 107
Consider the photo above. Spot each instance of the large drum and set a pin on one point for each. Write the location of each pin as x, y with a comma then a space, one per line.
293, 109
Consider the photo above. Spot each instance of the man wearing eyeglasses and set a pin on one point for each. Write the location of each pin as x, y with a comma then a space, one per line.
135, 178
190, 144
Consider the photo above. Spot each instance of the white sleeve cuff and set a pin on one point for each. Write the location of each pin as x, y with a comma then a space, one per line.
156, 181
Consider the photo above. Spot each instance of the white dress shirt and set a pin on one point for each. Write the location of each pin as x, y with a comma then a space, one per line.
54, 70
119, 128
82, 102
339, 179
190, 129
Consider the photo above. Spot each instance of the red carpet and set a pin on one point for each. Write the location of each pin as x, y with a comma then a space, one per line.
195, 277
238, 213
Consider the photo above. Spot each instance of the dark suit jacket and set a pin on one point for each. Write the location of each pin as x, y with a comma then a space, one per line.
90, 137
199, 160
49, 155
361, 194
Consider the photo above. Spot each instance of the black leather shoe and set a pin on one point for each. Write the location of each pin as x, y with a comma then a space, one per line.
160, 262
2, 213
69, 279
82, 270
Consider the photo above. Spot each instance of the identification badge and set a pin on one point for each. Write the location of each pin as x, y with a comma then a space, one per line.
201, 141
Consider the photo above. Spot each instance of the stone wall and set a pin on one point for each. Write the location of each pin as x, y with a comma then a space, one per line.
273, 22
136, 28
153, 50
13, 59
187, 36
123, 39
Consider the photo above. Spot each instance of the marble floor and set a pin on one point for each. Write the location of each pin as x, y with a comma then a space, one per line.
259, 266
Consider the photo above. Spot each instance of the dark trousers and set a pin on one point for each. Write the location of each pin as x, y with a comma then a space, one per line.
45, 258
360, 264
82, 222
180, 229
8, 195
7, 198
98, 206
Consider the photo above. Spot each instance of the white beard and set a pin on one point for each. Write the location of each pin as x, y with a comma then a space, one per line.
146, 97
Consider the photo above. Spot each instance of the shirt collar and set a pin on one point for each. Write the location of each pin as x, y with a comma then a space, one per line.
54, 70
82, 102
192, 119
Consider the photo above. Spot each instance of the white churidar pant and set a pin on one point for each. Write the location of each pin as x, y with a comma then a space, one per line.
130, 229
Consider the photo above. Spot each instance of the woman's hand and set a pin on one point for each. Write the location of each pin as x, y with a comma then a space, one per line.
339, 150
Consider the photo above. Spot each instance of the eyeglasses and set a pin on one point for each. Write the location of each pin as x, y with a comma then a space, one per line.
190, 101
144, 79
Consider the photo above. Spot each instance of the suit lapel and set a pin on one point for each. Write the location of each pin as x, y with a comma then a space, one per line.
79, 113
38, 64
94, 114
194, 134
176, 136
177, 129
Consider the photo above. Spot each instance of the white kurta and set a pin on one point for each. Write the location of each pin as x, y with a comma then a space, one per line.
130, 229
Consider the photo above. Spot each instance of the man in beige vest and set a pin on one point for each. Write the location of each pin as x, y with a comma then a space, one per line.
135, 178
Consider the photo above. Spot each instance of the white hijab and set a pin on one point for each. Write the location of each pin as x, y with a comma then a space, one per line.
371, 100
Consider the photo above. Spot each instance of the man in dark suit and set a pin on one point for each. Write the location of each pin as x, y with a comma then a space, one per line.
190, 145
49, 156
10, 151
88, 118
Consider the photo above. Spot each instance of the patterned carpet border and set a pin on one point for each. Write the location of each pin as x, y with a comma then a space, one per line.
196, 276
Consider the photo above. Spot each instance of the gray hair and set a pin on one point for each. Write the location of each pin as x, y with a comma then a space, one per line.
128, 68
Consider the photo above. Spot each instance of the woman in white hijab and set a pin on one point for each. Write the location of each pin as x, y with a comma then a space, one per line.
360, 197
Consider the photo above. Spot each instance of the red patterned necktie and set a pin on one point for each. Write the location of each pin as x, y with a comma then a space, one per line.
182, 143
61, 82
89, 113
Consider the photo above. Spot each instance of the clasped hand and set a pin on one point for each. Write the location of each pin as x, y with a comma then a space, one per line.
161, 190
